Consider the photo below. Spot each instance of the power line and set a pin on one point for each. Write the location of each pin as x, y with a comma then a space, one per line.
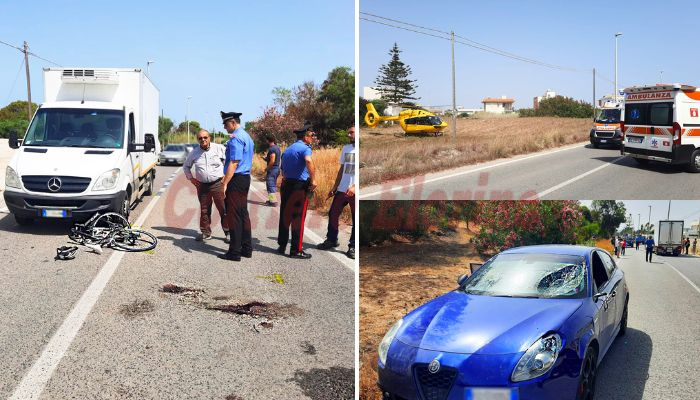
30, 53
14, 47
15, 82
41, 58
469, 42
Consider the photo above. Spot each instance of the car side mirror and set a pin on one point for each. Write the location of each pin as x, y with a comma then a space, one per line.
599, 295
149, 144
462, 278
12, 141
474, 266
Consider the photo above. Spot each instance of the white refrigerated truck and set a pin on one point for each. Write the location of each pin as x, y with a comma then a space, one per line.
670, 237
91, 146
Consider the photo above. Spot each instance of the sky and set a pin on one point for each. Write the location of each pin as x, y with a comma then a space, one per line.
572, 34
226, 55
686, 210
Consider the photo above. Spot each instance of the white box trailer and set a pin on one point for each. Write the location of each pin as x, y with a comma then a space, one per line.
662, 123
91, 146
670, 237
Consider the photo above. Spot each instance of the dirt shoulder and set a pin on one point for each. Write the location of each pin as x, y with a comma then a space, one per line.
397, 277
385, 154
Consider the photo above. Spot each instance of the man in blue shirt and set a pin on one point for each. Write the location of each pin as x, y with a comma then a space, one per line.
236, 183
298, 179
272, 170
650, 248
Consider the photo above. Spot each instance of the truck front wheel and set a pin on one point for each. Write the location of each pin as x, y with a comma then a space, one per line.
126, 206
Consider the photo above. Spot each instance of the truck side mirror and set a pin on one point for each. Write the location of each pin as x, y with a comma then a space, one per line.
14, 144
462, 278
149, 143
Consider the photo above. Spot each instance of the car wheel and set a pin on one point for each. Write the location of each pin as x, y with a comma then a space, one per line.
694, 165
595, 144
24, 221
586, 379
623, 322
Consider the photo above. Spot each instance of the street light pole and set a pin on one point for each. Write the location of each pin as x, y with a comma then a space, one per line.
616, 35
639, 222
187, 118
649, 214
148, 67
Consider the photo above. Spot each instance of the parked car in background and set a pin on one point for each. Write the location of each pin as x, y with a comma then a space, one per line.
533, 323
190, 146
173, 154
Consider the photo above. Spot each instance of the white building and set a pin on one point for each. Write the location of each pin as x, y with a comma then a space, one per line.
548, 94
498, 106
370, 93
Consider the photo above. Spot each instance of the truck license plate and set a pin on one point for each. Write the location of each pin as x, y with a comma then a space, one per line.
491, 394
54, 213
634, 139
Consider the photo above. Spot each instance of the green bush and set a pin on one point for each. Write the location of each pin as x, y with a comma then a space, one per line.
559, 106
19, 126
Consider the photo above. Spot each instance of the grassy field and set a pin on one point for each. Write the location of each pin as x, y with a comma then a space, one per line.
397, 277
386, 155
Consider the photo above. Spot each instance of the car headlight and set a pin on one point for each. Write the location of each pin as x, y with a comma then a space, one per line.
11, 178
108, 180
538, 359
388, 338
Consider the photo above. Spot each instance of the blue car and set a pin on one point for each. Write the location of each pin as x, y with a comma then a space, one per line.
532, 323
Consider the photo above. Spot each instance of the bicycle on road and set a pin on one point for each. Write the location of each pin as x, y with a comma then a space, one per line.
114, 231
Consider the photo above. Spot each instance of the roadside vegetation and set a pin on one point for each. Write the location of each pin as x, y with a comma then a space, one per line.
414, 251
386, 154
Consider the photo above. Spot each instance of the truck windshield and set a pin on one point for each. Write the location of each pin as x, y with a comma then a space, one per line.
70, 127
608, 116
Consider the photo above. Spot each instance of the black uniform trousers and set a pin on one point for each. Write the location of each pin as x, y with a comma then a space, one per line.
237, 214
293, 212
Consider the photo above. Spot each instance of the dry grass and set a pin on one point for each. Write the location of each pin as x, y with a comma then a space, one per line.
326, 163
385, 155
397, 277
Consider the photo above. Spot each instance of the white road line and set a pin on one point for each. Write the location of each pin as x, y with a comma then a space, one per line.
350, 264
439, 178
34, 382
683, 276
574, 179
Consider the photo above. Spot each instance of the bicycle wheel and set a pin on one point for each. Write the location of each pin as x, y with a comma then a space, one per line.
110, 220
133, 240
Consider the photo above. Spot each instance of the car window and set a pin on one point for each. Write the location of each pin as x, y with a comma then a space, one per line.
600, 273
608, 263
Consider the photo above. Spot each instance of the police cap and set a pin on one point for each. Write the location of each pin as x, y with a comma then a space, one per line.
225, 116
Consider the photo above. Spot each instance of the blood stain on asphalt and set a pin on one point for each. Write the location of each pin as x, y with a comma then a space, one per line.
309, 348
318, 383
171, 288
259, 309
136, 308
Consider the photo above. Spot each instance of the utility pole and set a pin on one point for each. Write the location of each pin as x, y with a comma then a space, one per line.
650, 214
616, 35
29, 85
668, 216
639, 222
454, 93
594, 102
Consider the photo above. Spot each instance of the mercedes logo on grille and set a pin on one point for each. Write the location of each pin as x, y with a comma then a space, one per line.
434, 366
54, 184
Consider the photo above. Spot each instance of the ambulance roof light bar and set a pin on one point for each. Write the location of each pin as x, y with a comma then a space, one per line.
660, 88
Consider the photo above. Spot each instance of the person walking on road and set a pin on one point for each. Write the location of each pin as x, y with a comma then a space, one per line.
687, 245
695, 244
236, 183
623, 246
208, 162
650, 248
342, 192
272, 171
617, 246
298, 181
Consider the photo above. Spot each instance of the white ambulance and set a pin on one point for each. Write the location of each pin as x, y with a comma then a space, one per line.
606, 128
662, 123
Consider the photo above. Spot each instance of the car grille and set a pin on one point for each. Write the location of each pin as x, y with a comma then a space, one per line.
434, 386
604, 134
69, 184
60, 203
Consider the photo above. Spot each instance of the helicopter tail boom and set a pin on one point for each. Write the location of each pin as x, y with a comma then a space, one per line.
372, 118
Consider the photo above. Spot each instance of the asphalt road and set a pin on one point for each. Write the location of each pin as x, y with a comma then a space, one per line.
659, 357
568, 173
136, 341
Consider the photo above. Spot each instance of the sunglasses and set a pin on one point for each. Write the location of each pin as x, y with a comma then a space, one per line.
202, 138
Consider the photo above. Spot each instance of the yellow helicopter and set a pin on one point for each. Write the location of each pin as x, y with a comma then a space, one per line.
412, 120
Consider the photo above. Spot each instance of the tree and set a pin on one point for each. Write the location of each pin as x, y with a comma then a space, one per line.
165, 125
559, 106
16, 110
609, 214
338, 90
274, 122
393, 81
282, 98
194, 127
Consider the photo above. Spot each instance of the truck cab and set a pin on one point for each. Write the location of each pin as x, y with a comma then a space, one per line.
662, 124
90, 147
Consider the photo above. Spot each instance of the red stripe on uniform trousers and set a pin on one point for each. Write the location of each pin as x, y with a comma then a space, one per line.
303, 218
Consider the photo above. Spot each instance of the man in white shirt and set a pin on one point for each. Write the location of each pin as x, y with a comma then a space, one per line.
208, 161
343, 192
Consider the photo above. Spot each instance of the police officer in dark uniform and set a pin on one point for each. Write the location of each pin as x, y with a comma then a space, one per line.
236, 183
298, 180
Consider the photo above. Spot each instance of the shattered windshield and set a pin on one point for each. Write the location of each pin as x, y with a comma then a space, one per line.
530, 275
71, 127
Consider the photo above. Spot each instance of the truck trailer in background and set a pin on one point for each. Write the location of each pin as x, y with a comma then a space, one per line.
670, 237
